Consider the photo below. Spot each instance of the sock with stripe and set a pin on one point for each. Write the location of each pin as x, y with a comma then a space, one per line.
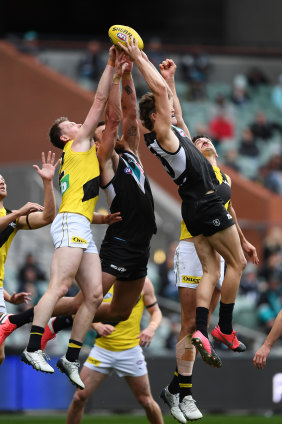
73, 351
173, 387
225, 317
22, 318
34, 343
202, 320
185, 385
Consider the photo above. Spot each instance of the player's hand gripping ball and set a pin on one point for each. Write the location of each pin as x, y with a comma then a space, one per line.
118, 33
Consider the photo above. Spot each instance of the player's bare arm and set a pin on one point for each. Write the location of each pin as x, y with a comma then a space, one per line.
150, 301
47, 213
17, 298
158, 86
167, 70
108, 158
131, 134
261, 355
84, 138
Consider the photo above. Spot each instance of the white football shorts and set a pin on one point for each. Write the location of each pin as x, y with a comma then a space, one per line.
72, 230
2, 301
129, 362
187, 266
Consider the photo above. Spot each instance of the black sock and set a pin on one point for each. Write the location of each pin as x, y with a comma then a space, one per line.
202, 320
173, 386
185, 386
35, 338
73, 351
61, 323
22, 318
225, 317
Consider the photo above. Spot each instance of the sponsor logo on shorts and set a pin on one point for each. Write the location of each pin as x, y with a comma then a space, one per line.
190, 280
216, 222
93, 361
121, 36
140, 362
108, 295
118, 268
12, 224
229, 216
75, 239
128, 170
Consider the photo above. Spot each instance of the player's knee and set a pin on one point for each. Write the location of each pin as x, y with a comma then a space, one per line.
79, 399
96, 299
145, 400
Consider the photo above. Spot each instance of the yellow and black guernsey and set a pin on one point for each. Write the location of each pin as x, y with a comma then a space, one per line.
224, 192
79, 177
126, 332
6, 238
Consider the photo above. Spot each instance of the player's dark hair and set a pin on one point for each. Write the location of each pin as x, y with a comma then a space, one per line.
194, 139
55, 132
147, 106
99, 125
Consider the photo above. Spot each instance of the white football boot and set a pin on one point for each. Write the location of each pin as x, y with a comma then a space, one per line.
173, 403
37, 361
189, 409
71, 370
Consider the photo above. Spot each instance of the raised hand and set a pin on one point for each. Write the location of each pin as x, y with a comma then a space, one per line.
167, 69
131, 48
48, 168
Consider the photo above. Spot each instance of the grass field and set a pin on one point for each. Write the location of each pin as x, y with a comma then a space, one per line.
126, 419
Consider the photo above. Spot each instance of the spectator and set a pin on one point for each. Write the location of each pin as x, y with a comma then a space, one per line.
222, 105
173, 335
155, 51
239, 95
221, 128
249, 286
269, 303
167, 287
273, 174
263, 128
256, 78
195, 69
248, 145
276, 95
29, 276
29, 44
91, 66
272, 242
272, 265
230, 159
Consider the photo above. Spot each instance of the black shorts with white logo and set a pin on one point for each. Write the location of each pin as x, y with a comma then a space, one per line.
123, 260
206, 216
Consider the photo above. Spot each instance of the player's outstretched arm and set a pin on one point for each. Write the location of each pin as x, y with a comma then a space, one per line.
97, 111
261, 355
113, 118
17, 298
109, 219
130, 125
33, 219
152, 307
167, 70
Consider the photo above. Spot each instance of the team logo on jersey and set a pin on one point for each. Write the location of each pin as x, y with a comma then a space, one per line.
12, 224
229, 216
216, 222
128, 170
181, 132
65, 184
75, 239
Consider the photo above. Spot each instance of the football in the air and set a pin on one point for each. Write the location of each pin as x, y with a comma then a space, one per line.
118, 33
